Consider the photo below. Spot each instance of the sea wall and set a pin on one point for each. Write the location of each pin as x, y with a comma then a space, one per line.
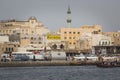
43, 63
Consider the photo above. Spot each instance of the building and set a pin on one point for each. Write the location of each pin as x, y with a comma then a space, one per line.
32, 39
31, 26
115, 37
4, 38
84, 44
54, 41
25, 33
72, 35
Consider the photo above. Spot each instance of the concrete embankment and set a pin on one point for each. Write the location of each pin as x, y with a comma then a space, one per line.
43, 63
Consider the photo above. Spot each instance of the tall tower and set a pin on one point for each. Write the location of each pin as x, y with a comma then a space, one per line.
69, 17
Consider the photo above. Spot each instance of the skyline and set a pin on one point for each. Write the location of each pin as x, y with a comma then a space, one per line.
53, 14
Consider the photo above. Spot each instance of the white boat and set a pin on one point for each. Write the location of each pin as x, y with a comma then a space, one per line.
80, 57
92, 57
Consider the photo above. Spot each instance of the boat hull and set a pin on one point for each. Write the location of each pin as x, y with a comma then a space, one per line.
107, 65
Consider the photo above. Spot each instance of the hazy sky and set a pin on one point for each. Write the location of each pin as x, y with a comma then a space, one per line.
52, 13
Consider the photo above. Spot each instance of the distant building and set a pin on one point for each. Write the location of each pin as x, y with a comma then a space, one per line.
54, 41
115, 37
25, 33
72, 35
31, 26
4, 38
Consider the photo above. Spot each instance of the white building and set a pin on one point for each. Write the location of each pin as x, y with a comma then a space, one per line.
4, 38
101, 40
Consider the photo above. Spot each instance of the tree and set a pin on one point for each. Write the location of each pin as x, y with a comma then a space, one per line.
61, 46
54, 46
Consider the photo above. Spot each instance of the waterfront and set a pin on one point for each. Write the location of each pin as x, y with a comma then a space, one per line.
59, 73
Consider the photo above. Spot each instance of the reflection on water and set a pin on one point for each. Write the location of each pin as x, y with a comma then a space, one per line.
59, 73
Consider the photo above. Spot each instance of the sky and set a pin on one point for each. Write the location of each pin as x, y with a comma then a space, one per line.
53, 13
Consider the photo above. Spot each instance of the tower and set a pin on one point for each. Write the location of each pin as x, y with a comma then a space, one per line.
69, 17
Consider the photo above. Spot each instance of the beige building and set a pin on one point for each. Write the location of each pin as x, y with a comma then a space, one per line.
54, 41
31, 26
71, 35
4, 38
25, 32
101, 40
115, 37
84, 44
88, 41
8, 47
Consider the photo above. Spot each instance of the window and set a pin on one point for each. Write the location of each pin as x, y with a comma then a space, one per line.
14, 45
70, 43
69, 37
32, 32
78, 32
105, 43
65, 37
99, 43
73, 37
18, 45
69, 32
39, 38
99, 30
65, 32
31, 42
74, 43
40, 42
73, 32
102, 43
31, 38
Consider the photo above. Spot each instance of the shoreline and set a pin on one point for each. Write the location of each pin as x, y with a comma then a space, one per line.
43, 63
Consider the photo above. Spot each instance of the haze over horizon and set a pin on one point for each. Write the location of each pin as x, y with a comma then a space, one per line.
53, 13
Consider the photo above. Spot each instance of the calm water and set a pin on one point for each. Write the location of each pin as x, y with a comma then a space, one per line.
59, 73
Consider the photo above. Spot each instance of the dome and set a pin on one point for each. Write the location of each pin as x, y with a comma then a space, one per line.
32, 18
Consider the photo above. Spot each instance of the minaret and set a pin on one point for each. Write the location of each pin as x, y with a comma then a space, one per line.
69, 17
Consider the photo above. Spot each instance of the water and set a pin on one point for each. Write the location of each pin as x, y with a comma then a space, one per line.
59, 73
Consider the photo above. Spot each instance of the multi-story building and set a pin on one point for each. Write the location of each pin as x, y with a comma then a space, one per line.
54, 41
31, 26
25, 33
100, 42
71, 35
84, 44
6, 46
115, 37
19, 29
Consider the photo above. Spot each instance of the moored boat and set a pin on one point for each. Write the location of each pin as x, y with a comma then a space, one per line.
108, 64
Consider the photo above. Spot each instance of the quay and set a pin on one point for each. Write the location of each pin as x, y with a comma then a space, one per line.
43, 63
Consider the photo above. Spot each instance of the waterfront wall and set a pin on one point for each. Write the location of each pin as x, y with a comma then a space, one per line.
43, 63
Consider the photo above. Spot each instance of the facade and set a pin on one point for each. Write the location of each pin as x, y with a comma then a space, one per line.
84, 44
115, 37
101, 40
31, 26
8, 48
33, 39
54, 41
72, 35
4, 38
87, 42
24, 33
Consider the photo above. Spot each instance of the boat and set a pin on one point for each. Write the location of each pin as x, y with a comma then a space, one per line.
108, 64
